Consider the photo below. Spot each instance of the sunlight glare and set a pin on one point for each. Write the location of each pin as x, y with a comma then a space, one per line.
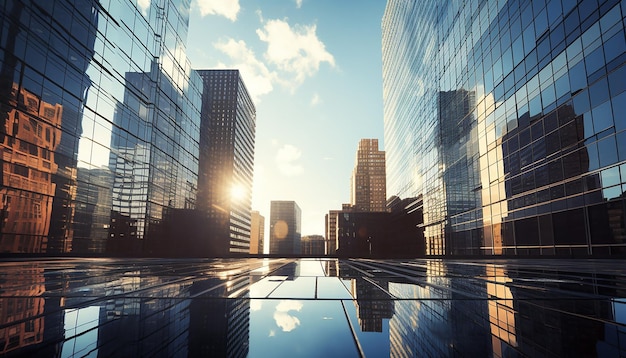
237, 192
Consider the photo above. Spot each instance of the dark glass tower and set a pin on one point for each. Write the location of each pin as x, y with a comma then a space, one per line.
285, 228
101, 115
507, 119
225, 176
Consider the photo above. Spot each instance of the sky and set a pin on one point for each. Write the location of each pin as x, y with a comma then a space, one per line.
314, 71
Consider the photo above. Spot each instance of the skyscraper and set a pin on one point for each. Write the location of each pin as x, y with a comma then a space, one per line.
506, 119
101, 123
257, 232
226, 160
368, 182
285, 228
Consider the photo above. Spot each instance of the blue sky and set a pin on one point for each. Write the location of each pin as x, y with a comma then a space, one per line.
313, 68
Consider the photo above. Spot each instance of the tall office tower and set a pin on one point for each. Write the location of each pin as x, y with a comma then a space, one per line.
257, 232
507, 120
100, 125
285, 228
368, 182
225, 173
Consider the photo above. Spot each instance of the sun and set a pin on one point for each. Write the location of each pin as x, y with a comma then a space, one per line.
237, 192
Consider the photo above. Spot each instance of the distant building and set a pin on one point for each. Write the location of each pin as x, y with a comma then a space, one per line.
285, 228
331, 231
362, 233
392, 233
257, 230
368, 182
227, 133
313, 245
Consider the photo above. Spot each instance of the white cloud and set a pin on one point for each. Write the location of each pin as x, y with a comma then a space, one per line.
286, 159
272, 333
292, 55
298, 3
257, 77
315, 100
255, 305
282, 317
297, 51
288, 305
144, 5
227, 8
259, 13
286, 322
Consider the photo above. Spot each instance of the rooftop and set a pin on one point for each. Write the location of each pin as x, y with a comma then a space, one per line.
313, 307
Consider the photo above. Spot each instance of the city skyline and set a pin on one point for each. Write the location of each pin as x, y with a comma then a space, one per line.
501, 126
314, 101
139, 184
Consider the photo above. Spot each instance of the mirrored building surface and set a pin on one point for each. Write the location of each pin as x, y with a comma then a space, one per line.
507, 119
312, 307
100, 124
285, 228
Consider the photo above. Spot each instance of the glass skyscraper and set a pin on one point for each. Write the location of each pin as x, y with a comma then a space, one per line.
507, 119
101, 116
227, 133
285, 228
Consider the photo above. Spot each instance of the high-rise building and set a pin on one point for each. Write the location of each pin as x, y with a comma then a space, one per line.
225, 174
506, 119
257, 232
313, 245
101, 123
285, 228
367, 184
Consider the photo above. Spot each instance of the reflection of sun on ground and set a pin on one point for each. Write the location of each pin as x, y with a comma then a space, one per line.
281, 229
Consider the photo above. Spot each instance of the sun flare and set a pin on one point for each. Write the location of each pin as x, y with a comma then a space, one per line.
237, 192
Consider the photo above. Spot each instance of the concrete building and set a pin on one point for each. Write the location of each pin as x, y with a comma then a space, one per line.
330, 225
368, 182
257, 232
285, 228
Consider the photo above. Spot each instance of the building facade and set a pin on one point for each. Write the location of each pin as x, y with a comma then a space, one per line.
285, 228
226, 168
101, 123
313, 245
368, 181
330, 225
257, 233
507, 119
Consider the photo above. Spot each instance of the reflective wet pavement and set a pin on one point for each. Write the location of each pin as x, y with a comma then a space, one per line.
312, 307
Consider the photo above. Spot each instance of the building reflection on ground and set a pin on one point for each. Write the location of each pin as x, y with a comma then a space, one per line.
255, 307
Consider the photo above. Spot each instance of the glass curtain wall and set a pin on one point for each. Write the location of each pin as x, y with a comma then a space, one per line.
101, 118
507, 117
